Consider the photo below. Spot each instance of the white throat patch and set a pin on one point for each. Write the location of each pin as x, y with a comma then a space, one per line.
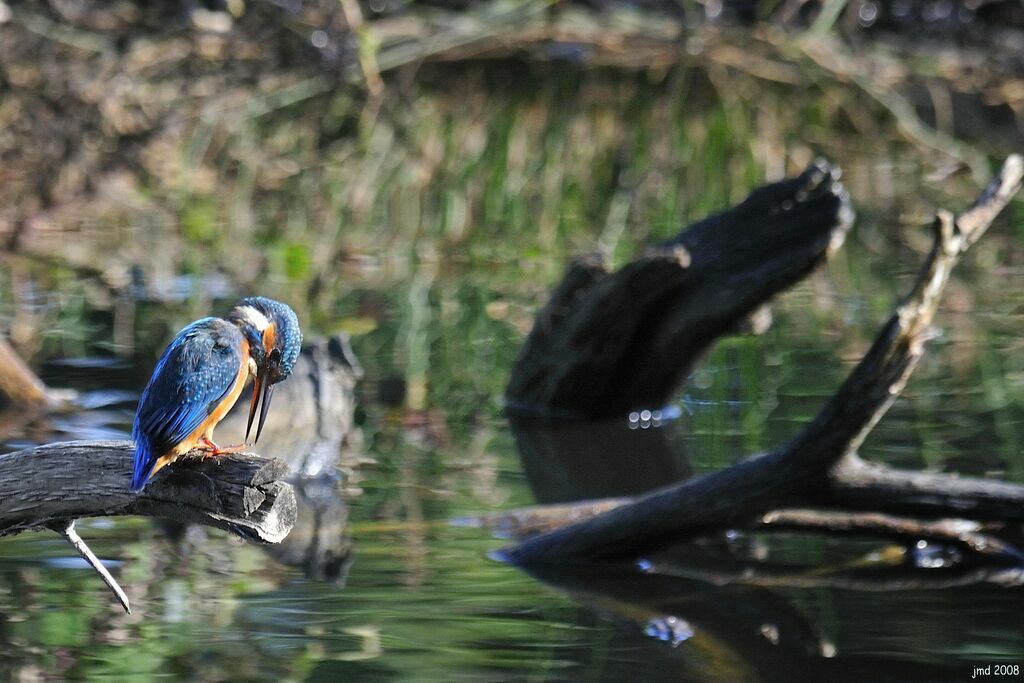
258, 320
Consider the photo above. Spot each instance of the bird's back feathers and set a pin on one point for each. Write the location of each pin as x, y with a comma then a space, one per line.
194, 374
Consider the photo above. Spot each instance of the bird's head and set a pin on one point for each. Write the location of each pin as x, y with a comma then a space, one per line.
272, 330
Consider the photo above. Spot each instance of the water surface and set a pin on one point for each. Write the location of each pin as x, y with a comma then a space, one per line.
436, 274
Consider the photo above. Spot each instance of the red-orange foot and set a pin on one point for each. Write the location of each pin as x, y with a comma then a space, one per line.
208, 445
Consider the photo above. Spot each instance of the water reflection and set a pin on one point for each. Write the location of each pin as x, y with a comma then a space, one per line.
320, 543
583, 460
313, 433
758, 606
747, 633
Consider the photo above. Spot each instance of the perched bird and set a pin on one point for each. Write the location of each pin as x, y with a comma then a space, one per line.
200, 376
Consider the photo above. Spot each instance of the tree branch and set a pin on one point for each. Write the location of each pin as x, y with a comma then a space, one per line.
72, 537
859, 485
737, 494
968, 535
53, 484
965, 534
607, 343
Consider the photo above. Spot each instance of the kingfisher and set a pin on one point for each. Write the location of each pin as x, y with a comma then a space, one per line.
200, 376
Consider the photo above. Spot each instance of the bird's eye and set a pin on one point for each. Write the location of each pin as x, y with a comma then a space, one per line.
275, 356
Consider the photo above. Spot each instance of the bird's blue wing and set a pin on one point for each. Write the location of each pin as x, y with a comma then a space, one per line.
192, 377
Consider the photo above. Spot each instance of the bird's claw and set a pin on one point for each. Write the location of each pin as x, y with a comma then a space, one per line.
214, 450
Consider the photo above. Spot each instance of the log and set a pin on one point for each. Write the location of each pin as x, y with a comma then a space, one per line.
738, 494
968, 535
46, 486
608, 343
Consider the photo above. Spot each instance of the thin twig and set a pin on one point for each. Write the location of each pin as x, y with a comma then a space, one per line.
68, 531
963, 533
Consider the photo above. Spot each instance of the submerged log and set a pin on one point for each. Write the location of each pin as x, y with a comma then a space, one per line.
607, 343
822, 458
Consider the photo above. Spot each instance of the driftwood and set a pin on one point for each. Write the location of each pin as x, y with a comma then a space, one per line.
968, 535
608, 343
47, 485
819, 465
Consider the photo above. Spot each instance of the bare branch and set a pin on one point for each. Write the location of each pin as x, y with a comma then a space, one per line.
49, 485
965, 534
69, 533
739, 493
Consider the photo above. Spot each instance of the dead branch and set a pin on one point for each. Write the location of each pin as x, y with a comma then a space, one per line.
968, 535
878, 579
859, 485
779, 478
71, 536
608, 343
53, 484
965, 534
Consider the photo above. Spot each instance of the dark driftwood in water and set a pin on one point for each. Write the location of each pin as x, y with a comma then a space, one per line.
46, 486
607, 343
968, 535
808, 464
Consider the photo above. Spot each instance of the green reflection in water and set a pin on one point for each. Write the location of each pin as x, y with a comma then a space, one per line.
432, 233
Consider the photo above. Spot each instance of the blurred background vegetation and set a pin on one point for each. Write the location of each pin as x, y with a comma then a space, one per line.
416, 175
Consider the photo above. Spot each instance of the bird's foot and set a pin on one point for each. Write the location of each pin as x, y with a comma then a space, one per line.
213, 449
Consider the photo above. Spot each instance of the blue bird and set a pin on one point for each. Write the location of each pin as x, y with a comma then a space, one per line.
200, 376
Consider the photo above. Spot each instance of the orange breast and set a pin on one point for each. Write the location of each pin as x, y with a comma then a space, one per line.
221, 411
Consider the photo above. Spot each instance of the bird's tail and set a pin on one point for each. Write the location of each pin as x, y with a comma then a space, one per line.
144, 461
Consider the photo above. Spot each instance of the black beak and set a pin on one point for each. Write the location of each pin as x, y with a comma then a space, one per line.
268, 393
261, 391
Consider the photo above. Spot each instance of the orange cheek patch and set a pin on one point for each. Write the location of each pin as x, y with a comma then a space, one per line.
269, 338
